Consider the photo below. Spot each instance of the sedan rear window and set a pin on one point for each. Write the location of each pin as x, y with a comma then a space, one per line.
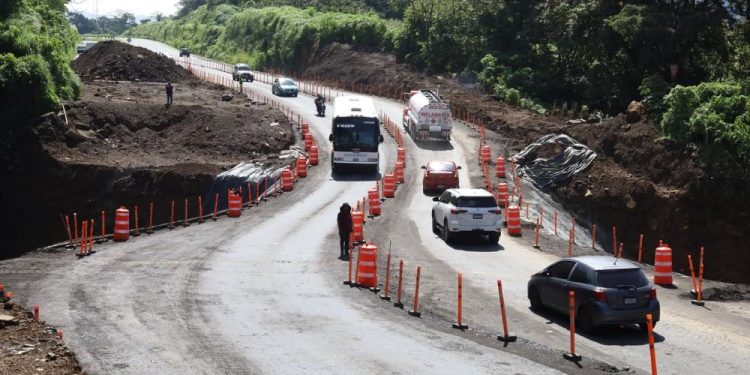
476, 202
446, 167
614, 278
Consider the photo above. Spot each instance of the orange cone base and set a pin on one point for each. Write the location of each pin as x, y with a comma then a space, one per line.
536, 246
572, 357
347, 282
698, 303
385, 298
415, 313
460, 326
507, 338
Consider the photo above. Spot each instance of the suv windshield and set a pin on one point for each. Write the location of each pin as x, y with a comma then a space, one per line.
476, 202
627, 277
242, 68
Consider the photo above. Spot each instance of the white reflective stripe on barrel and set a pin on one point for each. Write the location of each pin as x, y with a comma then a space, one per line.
366, 275
119, 222
122, 231
663, 274
662, 263
367, 264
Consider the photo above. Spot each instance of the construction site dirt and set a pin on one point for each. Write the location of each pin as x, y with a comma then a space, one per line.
120, 144
641, 183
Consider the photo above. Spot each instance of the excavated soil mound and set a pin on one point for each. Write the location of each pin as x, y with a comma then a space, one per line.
640, 182
117, 61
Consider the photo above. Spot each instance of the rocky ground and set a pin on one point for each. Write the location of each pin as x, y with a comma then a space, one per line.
31, 347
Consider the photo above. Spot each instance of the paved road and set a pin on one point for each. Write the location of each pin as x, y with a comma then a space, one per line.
258, 294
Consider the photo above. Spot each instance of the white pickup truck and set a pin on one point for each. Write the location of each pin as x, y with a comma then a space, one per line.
427, 117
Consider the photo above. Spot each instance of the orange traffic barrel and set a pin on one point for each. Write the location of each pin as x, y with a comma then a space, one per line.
389, 185
374, 198
663, 265
514, 220
308, 142
235, 204
485, 154
122, 224
367, 271
301, 167
400, 172
502, 194
314, 154
287, 182
358, 218
500, 167
401, 155
305, 128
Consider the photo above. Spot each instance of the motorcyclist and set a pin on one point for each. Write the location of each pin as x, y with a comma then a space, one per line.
320, 104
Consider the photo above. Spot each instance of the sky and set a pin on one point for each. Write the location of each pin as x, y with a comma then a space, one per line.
136, 7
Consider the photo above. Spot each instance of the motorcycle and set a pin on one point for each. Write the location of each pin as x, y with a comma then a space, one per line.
321, 107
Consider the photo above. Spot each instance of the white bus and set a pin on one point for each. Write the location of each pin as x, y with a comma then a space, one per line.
355, 134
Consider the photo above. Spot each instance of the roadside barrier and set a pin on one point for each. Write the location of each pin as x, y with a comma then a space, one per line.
234, 203
572, 356
398, 302
640, 248
301, 167
485, 154
374, 198
59, 334
36, 312
75, 227
67, 229
286, 180
150, 218
137, 231
692, 274
122, 224
367, 266
308, 141
314, 153
171, 215
389, 185
82, 244
399, 172
415, 308
185, 219
593, 236
357, 227
619, 253
502, 194
500, 167
104, 228
459, 308
401, 155
651, 347
387, 285
514, 220
614, 240
570, 243
663, 265
505, 337
536, 234
699, 290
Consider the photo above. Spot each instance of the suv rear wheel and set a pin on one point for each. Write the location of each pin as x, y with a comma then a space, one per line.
447, 236
493, 237
535, 300
435, 228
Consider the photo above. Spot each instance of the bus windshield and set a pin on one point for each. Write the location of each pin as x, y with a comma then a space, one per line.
355, 134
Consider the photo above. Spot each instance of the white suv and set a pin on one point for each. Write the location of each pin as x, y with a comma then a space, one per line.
466, 210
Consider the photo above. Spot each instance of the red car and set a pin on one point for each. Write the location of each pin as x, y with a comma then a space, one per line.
439, 176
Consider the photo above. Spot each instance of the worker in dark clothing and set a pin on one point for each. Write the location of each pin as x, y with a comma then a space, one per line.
344, 220
168, 88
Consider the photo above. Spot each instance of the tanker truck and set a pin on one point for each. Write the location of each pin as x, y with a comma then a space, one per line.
427, 117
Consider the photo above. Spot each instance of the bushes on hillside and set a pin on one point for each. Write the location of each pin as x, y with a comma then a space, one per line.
36, 46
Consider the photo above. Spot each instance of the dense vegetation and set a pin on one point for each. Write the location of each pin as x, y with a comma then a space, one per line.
580, 54
36, 46
279, 37
116, 24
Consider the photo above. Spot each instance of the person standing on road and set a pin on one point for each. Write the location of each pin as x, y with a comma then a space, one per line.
168, 88
344, 220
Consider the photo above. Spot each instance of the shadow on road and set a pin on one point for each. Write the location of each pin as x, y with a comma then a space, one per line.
355, 176
434, 145
625, 335
474, 244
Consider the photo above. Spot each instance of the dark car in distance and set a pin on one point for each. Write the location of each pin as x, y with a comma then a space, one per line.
608, 291
242, 73
284, 87
184, 52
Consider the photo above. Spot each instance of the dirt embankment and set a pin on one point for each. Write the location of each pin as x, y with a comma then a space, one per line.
640, 182
122, 145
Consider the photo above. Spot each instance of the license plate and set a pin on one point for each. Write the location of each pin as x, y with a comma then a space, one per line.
441, 186
477, 216
629, 301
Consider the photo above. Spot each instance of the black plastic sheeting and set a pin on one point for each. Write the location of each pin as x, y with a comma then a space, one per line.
259, 180
542, 172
